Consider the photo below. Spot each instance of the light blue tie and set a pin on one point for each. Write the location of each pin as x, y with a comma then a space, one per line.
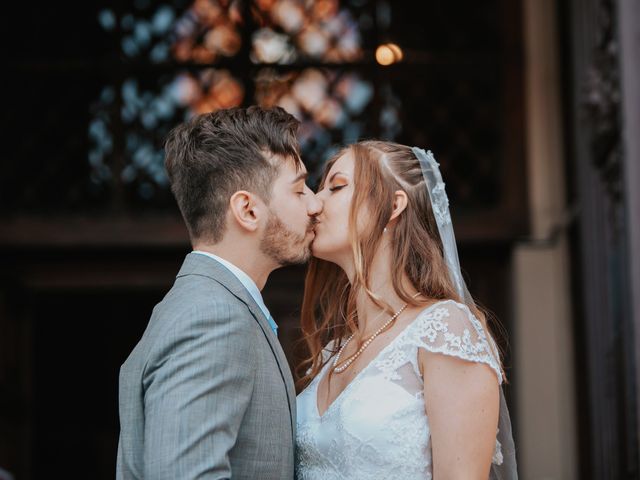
273, 325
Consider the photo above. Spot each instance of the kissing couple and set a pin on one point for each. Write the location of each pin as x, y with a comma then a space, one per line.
403, 378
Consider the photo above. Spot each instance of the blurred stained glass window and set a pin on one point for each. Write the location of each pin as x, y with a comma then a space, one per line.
181, 60
107, 94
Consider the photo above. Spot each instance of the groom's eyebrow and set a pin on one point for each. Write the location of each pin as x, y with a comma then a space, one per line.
302, 176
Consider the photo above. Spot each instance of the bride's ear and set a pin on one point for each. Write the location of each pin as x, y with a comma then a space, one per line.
400, 202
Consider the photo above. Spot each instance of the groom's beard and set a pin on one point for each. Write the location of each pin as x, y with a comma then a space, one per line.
285, 246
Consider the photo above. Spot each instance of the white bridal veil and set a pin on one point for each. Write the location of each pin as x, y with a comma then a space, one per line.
507, 470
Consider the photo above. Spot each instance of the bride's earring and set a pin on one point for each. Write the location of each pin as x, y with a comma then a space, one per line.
385, 230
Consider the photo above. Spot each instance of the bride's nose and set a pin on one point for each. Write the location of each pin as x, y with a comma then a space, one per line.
322, 194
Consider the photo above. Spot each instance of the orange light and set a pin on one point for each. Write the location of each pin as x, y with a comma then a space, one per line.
384, 55
397, 51
388, 54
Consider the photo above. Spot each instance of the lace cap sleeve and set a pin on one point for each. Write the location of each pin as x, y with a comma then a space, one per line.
451, 329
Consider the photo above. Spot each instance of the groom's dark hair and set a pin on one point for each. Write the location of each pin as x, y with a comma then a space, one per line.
213, 155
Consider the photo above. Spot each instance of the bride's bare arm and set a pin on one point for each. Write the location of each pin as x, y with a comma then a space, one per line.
462, 404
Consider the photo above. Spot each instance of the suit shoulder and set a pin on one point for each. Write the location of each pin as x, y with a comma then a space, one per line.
194, 305
199, 295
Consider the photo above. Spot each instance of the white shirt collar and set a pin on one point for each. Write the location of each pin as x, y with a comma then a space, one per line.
246, 280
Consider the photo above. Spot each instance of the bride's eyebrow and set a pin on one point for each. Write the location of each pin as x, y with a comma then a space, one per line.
336, 173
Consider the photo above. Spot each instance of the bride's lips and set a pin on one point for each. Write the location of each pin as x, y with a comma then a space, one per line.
312, 231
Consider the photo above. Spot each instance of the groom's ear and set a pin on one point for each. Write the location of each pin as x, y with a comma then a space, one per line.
246, 210
400, 202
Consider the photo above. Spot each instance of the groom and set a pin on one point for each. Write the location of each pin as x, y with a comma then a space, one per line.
207, 392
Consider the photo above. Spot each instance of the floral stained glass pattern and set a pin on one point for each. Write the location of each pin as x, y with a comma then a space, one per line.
211, 54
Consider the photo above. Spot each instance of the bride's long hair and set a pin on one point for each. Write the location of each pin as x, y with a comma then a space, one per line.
329, 305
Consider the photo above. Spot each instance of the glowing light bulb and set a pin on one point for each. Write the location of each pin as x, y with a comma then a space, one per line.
384, 55
397, 51
388, 54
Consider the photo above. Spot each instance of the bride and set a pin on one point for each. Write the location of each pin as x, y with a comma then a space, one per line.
404, 378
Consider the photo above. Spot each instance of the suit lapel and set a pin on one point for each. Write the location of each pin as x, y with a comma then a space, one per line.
196, 264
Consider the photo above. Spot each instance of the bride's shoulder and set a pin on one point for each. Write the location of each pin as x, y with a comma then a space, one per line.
447, 308
449, 327
449, 315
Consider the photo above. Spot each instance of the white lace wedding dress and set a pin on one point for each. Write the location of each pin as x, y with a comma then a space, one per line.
377, 427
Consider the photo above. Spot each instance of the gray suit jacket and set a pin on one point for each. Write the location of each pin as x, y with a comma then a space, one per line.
207, 393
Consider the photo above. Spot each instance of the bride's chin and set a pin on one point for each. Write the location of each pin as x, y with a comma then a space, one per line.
317, 251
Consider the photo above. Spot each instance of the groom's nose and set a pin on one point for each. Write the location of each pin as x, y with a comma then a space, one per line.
315, 205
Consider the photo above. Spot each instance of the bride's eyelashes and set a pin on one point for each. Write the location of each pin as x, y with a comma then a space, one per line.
337, 187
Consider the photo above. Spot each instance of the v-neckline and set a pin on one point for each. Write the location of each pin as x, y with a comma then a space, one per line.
327, 367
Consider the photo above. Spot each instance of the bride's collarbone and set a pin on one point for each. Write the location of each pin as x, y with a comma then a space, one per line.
336, 382
380, 342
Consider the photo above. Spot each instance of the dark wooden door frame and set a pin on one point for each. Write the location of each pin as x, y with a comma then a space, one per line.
602, 250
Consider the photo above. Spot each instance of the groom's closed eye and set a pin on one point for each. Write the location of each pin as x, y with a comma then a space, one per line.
300, 183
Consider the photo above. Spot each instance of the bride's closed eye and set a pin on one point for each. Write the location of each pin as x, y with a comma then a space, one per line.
336, 187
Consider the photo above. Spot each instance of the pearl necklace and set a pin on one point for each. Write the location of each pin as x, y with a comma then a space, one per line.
352, 358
